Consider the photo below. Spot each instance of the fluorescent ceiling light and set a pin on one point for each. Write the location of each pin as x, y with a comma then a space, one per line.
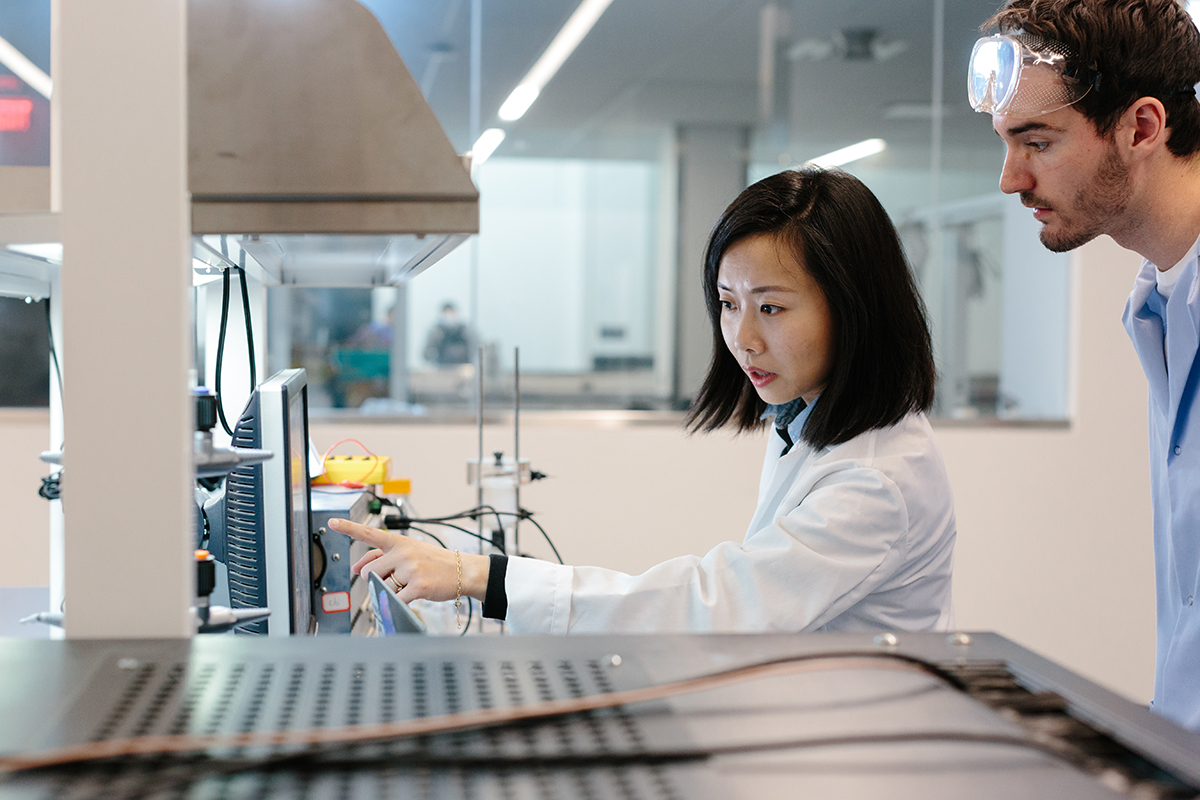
518, 102
556, 54
485, 145
24, 69
854, 152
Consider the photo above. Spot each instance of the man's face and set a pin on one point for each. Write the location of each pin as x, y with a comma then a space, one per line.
1073, 178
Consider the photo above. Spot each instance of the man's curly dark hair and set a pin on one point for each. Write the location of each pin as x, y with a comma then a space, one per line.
1140, 47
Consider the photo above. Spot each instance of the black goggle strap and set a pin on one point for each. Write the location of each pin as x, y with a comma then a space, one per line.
1098, 81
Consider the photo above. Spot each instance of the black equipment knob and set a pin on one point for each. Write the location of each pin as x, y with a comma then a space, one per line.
206, 573
206, 409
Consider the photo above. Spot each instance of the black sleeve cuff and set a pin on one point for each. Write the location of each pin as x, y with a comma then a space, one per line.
495, 598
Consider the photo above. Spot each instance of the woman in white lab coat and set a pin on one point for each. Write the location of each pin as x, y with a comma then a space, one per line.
817, 326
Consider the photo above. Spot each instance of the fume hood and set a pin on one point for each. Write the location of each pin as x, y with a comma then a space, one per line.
313, 157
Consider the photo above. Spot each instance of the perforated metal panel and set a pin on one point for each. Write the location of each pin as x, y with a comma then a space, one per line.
245, 546
216, 697
979, 728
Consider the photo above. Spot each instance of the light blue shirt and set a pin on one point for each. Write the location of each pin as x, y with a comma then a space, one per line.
1169, 364
791, 416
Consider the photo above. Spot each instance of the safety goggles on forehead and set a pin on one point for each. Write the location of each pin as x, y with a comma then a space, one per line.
1024, 76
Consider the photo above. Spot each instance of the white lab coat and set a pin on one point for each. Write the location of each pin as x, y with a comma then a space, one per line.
855, 537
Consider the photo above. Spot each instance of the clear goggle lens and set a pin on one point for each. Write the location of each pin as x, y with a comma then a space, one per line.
1021, 76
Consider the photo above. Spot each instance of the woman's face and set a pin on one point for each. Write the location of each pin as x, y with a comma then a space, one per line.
775, 320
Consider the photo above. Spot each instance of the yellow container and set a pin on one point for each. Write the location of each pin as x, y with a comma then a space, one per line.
356, 469
397, 486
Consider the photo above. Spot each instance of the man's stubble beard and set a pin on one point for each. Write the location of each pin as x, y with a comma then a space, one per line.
1095, 206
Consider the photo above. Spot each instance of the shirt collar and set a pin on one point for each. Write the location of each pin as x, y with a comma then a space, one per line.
791, 416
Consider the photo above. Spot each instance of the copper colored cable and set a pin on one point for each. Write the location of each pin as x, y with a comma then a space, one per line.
467, 720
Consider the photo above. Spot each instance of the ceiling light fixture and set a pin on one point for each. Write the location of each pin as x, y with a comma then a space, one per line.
25, 69
485, 145
556, 54
854, 152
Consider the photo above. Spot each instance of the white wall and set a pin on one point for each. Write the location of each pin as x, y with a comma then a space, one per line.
1054, 546
24, 517
1055, 542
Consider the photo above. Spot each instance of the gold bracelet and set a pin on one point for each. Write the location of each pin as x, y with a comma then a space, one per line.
458, 592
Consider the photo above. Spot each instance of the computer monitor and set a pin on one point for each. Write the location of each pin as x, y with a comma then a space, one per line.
267, 537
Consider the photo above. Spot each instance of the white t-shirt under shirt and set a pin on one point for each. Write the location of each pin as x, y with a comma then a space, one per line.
1166, 279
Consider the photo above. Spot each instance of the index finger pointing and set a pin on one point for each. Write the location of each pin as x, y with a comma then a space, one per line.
372, 536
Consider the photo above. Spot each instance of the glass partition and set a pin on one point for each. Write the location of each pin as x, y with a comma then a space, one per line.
595, 204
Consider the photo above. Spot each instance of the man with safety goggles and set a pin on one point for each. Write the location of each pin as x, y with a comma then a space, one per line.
1095, 103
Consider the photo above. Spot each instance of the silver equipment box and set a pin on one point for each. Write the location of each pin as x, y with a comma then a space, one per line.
906, 716
338, 595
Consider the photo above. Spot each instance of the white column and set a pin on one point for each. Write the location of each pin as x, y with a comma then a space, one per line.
57, 545
712, 171
126, 320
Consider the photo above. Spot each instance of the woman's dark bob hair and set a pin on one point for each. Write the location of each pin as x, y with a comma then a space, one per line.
882, 360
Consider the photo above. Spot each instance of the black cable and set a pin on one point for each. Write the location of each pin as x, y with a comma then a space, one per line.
204, 536
522, 514
545, 535
54, 352
468, 532
316, 758
471, 513
695, 684
309, 763
51, 488
430, 535
475, 513
470, 614
424, 759
221, 348
249, 324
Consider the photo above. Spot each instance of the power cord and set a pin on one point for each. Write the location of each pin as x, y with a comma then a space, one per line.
51, 488
470, 614
500, 718
245, 292
403, 522
249, 322
221, 348
430, 535
204, 537
54, 351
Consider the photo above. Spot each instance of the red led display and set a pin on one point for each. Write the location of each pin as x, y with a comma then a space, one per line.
14, 113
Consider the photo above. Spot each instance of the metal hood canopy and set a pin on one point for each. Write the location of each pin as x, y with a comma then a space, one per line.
311, 148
